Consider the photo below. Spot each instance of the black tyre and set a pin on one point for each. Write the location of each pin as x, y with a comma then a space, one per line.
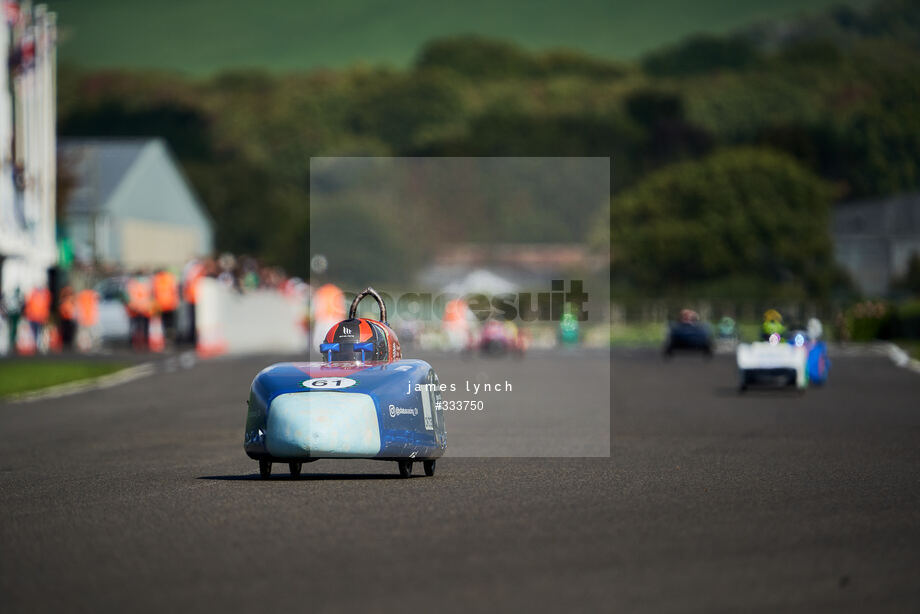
405, 468
295, 469
265, 468
429, 467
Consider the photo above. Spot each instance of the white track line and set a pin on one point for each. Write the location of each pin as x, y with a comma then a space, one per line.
902, 359
84, 385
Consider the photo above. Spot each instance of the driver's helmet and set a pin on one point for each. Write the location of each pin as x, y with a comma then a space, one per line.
773, 323
361, 339
814, 328
688, 316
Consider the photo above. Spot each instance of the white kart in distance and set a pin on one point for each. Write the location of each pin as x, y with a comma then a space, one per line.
773, 362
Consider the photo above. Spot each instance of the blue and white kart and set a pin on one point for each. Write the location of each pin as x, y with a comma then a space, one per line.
799, 361
386, 409
771, 362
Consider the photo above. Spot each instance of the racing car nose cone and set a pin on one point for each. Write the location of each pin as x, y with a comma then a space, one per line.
322, 424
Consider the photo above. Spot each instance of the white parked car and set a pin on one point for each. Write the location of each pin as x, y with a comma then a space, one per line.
114, 325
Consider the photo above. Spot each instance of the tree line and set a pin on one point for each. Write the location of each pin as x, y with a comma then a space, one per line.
727, 151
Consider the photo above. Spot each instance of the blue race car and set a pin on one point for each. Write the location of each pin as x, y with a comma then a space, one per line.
689, 333
363, 401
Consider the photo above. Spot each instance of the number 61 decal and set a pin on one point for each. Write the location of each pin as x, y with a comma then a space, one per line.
329, 383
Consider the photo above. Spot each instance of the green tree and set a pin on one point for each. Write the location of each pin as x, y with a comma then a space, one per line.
476, 56
403, 110
701, 54
738, 213
483, 58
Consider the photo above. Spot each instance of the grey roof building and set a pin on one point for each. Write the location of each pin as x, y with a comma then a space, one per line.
875, 240
131, 206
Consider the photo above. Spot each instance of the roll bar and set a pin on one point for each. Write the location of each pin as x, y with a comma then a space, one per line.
368, 292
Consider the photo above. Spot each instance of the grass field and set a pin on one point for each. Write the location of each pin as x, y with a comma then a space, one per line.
201, 37
25, 375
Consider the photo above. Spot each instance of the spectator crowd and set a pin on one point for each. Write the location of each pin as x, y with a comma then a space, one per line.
158, 305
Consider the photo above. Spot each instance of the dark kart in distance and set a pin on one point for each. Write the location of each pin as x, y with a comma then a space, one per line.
497, 339
688, 334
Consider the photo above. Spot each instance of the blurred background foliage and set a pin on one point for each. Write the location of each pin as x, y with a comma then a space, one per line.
727, 150
743, 215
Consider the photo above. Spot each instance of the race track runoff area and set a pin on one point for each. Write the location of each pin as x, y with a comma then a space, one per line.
139, 498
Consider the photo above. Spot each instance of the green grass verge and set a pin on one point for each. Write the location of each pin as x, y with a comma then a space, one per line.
26, 375
644, 334
911, 346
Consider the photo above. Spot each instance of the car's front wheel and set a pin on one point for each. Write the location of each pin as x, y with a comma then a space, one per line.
295, 469
405, 468
265, 468
429, 467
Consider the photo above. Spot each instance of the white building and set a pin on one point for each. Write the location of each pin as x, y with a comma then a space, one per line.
874, 240
27, 147
131, 207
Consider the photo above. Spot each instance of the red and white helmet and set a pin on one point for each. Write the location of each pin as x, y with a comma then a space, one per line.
361, 339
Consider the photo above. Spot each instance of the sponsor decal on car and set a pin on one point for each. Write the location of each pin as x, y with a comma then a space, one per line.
403, 411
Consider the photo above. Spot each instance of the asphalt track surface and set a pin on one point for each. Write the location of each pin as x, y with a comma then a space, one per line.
139, 498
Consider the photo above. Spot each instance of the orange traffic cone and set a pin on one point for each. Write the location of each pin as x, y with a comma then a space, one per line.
55, 342
157, 338
25, 341
210, 342
84, 339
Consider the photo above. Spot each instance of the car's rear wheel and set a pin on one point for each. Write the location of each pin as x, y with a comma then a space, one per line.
429, 467
265, 468
405, 468
295, 469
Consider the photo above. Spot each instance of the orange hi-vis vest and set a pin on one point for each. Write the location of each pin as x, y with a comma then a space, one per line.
38, 305
328, 304
87, 308
165, 291
455, 311
190, 290
139, 299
